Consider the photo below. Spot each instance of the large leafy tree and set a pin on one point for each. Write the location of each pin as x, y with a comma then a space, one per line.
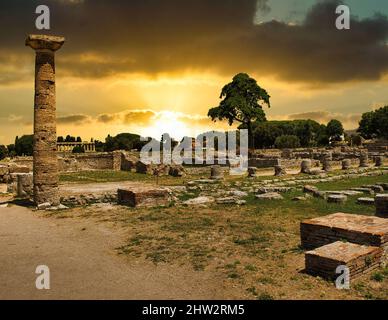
310, 133
374, 124
242, 101
335, 130
3, 152
24, 145
123, 141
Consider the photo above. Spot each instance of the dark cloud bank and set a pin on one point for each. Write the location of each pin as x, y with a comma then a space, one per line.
151, 36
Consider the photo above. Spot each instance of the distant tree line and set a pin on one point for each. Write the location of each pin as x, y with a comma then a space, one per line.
265, 134
69, 138
295, 134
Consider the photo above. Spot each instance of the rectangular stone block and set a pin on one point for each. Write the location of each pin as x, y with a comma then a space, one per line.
359, 259
364, 230
144, 197
14, 168
381, 202
3, 170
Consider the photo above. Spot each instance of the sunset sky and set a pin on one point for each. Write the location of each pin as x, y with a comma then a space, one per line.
155, 66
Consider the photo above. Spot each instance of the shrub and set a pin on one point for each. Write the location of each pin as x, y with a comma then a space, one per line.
3, 152
78, 149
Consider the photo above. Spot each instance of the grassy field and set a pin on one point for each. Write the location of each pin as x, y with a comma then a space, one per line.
253, 248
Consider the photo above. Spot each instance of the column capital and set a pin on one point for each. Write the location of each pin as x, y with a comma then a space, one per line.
44, 42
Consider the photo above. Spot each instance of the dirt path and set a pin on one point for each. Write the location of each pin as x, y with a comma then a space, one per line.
83, 263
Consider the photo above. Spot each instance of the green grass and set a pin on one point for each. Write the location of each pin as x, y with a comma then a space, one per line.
253, 245
352, 183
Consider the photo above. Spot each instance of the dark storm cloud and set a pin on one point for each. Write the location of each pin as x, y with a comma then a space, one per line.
263, 6
150, 36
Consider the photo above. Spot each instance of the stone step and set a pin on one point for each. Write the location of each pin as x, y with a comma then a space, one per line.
337, 198
364, 230
359, 259
144, 197
366, 201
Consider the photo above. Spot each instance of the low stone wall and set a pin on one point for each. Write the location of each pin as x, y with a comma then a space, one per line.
85, 162
266, 158
68, 162
24, 161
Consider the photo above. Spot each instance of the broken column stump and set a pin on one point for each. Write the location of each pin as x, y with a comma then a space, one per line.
346, 164
360, 259
216, 173
364, 158
305, 166
25, 185
381, 202
144, 197
379, 161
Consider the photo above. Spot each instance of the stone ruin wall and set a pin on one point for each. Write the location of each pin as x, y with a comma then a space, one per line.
267, 158
75, 162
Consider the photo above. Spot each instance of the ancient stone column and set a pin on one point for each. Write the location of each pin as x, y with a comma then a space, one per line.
364, 160
216, 173
327, 164
45, 140
346, 164
305, 166
379, 161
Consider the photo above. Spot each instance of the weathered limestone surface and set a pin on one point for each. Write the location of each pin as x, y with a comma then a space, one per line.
306, 166
364, 160
381, 202
25, 185
117, 160
216, 173
144, 197
14, 168
337, 198
280, 171
379, 161
359, 259
346, 164
252, 172
364, 230
45, 140
176, 171
269, 196
366, 201
327, 167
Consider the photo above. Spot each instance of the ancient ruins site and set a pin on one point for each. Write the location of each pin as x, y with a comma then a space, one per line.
277, 231
141, 158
